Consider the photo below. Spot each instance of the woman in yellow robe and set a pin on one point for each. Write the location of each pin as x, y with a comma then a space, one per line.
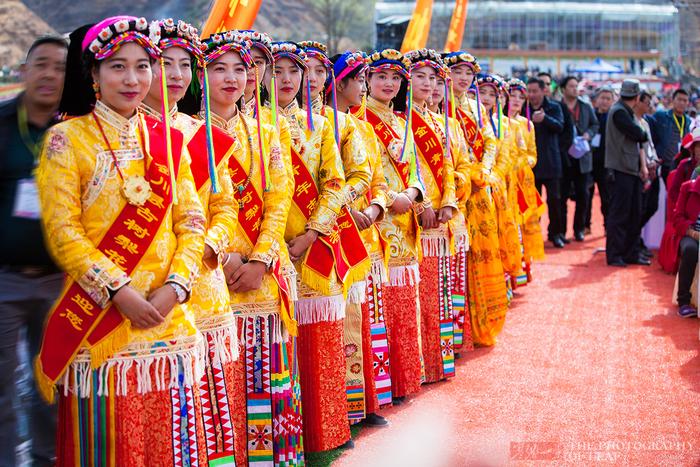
367, 354
210, 297
260, 297
399, 227
318, 172
532, 207
126, 225
487, 295
490, 87
464, 163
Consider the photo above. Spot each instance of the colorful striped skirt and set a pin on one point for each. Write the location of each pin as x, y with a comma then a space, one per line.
142, 407
401, 314
267, 413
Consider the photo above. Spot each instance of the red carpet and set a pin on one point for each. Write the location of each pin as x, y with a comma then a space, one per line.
593, 368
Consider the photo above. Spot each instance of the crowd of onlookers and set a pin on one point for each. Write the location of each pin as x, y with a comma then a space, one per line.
636, 147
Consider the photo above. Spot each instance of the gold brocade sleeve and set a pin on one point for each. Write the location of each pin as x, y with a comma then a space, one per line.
285, 142
188, 226
331, 181
530, 144
59, 181
276, 200
223, 212
378, 187
508, 151
462, 159
355, 161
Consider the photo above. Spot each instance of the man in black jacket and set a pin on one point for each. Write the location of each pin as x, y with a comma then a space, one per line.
577, 172
549, 122
29, 280
602, 101
623, 160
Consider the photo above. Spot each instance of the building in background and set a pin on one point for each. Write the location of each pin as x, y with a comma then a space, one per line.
556, 36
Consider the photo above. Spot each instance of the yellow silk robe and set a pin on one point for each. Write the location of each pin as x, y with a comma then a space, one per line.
272, 219
399, 230
210, 298
80, 193
434, 239
487, 296
506, 158
321, 156
533, 243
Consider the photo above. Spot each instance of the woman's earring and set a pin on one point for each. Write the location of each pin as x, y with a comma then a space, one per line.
96, 88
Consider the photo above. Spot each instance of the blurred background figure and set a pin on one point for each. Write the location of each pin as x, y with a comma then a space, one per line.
29, 280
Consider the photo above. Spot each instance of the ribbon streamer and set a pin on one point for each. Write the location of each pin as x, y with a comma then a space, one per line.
210, 139
165, 112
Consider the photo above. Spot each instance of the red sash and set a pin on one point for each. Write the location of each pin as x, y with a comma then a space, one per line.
474, 136
250, 216
197, 146
387, 135
342, 250
76, 320
430, 147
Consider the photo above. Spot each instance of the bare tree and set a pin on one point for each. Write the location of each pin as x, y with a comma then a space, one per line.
345, 19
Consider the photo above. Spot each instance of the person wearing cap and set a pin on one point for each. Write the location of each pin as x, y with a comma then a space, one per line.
311, 233
623, 136
210, 302
124, 221
465, 164
261, 298
365, 340
29, 279
529, 205
690, 161
399, 228
491, 87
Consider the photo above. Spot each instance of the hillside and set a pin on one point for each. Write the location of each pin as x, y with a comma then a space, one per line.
289, 19
19, 26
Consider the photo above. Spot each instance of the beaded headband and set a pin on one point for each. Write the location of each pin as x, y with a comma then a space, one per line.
456, 58
166, 33
318, 51
347, 63
106, 37
290, 50
426, 57
389, 59
219, 44
259, 40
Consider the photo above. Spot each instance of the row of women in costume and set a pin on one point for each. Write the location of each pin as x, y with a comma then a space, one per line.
312, 244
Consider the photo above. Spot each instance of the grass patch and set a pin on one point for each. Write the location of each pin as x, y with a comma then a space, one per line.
326, 458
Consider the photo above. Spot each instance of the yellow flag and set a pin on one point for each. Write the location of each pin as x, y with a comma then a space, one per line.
231, 14
418, 29
453, 42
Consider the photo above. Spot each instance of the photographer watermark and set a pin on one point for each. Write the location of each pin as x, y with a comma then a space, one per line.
598, 451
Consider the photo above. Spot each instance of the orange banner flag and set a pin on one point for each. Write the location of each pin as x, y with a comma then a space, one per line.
453, 42
231, 14
418, 29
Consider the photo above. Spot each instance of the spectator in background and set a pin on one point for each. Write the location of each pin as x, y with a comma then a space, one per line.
668, 127
566, 138
650, 192
603, 99
29, 280
623, 135
577, 170
548, 121
686, 223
